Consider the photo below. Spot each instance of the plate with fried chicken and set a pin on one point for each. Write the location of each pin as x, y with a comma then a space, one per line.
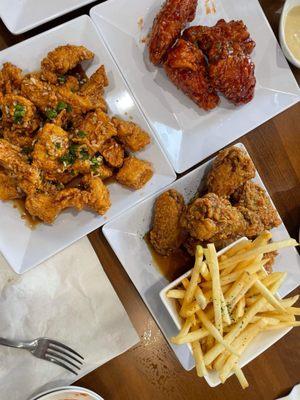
219, 202
204, 73
75, 150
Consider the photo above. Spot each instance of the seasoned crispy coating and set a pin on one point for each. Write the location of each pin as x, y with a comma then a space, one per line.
231, 72
130, 134
134, 173
231, 168
255, 199
171, 19
113, 153
95, 129
254, 225
211, 218
186, 68
104, 172
93, 89
64, 58
19, 114
99, 199
39, 92
9, 187
232, 31
10, 78
78, 103
271, 257
166, 234
72, 84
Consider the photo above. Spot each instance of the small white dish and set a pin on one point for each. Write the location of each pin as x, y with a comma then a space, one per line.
68, 393
187, 133
126, 234
25, 248
288, 5
20, 16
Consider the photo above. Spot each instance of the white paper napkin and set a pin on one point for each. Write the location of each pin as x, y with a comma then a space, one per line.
68, 298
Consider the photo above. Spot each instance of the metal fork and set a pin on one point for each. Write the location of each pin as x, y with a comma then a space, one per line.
50, 350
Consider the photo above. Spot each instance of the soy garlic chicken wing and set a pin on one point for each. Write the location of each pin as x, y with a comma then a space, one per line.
211, 218
166, 234
186, 68
167, 26
130, 134
9, 187
113, 153
231, 168
231, 72
232, 31
40, 93
63, 59
134, 173
19, 114
255, 199
10, 78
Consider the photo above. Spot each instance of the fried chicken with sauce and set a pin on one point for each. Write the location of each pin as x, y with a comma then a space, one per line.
166, 234
211, 218
134, 173
93, 89
186, 68
40, 93
9, 187
130, 134
231, 168
113, 153
167, 26
254, 198
10, 78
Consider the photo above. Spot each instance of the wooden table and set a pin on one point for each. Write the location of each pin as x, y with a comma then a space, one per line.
150, 370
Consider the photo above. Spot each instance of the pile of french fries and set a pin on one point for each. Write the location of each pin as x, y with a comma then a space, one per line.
227, 301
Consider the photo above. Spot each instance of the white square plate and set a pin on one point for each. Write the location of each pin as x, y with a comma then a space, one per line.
187, 133
20, 16
125, 234
24, 248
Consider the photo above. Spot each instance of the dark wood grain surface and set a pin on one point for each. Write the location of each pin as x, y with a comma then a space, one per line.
150, 370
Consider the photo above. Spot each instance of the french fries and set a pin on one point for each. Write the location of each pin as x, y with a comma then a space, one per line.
227, 302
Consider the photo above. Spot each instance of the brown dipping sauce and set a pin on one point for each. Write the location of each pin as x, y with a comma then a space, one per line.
30, 221
172, 266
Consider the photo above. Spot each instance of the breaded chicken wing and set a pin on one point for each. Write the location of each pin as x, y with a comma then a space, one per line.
186, 68
113, 153
10, 78
62, 59
166, 234
167, 26
255, 199
39, 92
130, 134
232, 31
231, 168
211, 218
231, 72
134, 173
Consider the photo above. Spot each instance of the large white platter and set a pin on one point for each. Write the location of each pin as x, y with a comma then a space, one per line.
22, 15
187, 133
125, 235
24, 248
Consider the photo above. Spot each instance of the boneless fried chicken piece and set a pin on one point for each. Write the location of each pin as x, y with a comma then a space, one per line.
211, 218
232, 31
94, 88
171, 19
130, 134
255, 199
231, 72
76, 102
134, 173
9, 187
186, 68
39, 92
62, 59
10, 78
231, 168
99, 199
166, 234
113, 153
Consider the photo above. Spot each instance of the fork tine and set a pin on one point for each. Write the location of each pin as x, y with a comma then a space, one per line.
58, 344
59, 350
56, 355
51, 359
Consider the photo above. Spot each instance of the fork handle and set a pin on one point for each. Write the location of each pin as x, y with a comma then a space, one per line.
13, 343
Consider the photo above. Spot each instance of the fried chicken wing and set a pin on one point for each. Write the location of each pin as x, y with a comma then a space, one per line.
9, 187
10, 78
39, 92
211, 218
167, 26
113, 153
134, 173
62, 59
254, 198
231, 168
130, 134
166, 234
186, 68
231, 72
232, 31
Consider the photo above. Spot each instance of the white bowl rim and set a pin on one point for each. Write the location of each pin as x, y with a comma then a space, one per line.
62, 389
285, 48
